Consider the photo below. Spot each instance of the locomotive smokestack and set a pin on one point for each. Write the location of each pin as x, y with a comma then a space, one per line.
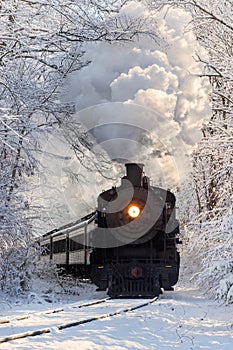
134, 173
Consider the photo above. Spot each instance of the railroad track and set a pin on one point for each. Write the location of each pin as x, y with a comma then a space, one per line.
48, 312
46, 322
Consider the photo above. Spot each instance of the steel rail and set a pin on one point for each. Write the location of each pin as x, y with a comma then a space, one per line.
74, 323
52, 311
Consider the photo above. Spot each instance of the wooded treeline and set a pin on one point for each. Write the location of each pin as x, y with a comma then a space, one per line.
41, 42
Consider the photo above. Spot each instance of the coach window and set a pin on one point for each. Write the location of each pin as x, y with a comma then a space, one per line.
59, 246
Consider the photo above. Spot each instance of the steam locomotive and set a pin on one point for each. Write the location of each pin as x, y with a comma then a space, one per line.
129, 245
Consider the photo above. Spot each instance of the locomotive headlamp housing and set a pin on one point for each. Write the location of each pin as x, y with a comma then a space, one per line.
134, 211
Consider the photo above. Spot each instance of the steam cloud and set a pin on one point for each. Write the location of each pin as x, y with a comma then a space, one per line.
143, 99
140, 73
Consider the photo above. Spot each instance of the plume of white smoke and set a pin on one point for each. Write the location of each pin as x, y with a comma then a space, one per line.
142, 102
166, 82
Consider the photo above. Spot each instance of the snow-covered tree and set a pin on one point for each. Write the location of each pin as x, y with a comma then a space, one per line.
210, 229
41, 42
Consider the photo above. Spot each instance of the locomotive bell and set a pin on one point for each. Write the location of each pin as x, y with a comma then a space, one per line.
134, 173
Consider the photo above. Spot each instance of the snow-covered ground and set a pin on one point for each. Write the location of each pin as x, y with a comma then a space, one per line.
183, 319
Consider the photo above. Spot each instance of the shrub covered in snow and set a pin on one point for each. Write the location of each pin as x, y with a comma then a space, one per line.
17, 265
225, 290
208, 255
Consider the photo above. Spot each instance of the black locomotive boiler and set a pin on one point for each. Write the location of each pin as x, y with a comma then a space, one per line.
128, 246
134, 250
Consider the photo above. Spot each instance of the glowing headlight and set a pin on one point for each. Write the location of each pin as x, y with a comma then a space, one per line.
134, 211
